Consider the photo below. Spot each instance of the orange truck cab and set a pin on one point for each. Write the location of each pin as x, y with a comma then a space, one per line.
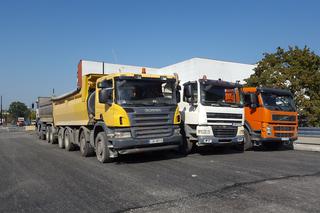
270, 117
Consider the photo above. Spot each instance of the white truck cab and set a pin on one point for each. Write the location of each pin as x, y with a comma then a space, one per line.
212, 113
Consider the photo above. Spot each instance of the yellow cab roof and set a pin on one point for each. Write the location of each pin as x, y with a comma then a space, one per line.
114, 75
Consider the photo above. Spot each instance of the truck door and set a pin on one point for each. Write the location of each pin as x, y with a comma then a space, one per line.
189, 106
252, 113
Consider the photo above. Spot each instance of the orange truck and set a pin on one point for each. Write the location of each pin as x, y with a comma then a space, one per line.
270, 118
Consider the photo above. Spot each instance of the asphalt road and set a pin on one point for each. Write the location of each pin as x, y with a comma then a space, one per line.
39, 177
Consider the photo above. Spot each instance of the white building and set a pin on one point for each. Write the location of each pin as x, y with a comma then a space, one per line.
196, 68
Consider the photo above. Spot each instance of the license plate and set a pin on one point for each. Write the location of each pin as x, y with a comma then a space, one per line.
158, 140
285, 139
236, 124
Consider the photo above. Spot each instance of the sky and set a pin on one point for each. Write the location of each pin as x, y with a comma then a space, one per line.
41, 42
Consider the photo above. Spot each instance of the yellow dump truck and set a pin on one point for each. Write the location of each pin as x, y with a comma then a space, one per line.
118, 113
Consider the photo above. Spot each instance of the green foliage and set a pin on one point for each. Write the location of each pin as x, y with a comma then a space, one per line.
18, 109
33, 115
297, 70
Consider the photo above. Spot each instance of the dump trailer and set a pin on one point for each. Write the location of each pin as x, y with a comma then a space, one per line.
118, 113
270, 117
44, 117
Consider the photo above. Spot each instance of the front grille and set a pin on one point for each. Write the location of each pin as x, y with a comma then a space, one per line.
276, 117
224, 132
224, 121
224, 115
151, 119
224, 118
152, 132
281, 135
284, 128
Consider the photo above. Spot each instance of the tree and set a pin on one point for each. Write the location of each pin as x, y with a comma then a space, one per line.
18, 109
297, 70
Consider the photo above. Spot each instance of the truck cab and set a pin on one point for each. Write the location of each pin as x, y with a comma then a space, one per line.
270, 117
212, 113
136, 112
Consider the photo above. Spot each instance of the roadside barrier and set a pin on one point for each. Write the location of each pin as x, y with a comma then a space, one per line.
309, 132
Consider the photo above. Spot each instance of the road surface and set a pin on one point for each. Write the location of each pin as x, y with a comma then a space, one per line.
39, 177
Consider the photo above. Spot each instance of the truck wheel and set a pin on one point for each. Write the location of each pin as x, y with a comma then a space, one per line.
60, 138
85, 147
48, 133
240, 147
102, 150
39, 131
288, 145
53, 138
42, 134
247, 140
67, 142
187, 146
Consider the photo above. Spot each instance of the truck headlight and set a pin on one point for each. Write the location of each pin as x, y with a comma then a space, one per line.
204, 130
122, 135
240, 130
269, 130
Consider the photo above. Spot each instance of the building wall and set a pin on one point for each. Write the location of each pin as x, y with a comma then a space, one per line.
196, 68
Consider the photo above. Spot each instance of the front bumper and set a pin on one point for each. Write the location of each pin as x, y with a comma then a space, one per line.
129, 145
213, 141
272, 140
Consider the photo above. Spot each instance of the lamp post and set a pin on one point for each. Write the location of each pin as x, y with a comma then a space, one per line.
1, 111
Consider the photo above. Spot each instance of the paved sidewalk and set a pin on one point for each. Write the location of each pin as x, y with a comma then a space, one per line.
307, 144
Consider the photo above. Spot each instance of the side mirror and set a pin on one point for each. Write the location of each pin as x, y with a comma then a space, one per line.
105, 96
188, 91
253, 101
103, 84
178, 96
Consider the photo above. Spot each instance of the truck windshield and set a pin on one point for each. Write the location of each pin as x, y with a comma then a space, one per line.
278, 102
221, 96
146, 92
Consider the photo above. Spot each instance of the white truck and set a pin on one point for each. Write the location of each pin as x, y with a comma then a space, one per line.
210, 103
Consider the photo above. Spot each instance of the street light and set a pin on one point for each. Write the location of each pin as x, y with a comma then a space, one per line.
1, 120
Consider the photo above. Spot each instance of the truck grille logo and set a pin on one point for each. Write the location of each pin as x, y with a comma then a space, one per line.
152, 110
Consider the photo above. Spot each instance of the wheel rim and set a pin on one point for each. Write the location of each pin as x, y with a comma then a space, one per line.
82, 143
60, 141
47, 134
99, 149
66, 140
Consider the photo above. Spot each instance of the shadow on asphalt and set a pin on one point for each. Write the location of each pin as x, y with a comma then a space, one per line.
147, 157
211, 150
167, 155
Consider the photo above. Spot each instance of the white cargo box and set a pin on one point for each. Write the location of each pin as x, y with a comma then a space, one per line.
95, 67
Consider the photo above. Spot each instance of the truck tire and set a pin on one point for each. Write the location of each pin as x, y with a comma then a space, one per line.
48, 132
247, 140
240, 147
53, 137
85, 148
42, 134
68, 145
186, 147
61, 138
102, 149
39, 131
289, 145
